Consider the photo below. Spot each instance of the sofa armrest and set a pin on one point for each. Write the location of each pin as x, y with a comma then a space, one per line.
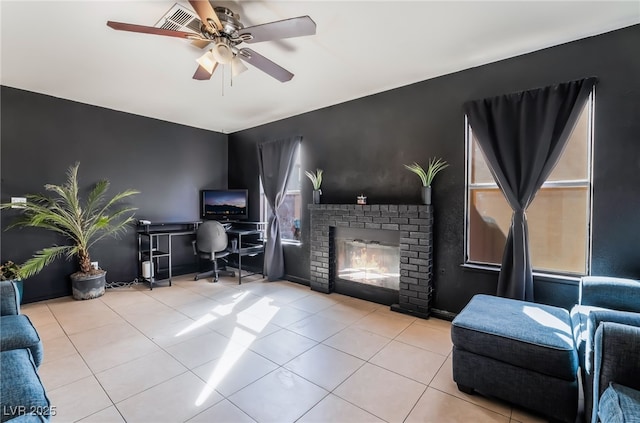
9, 302
616, 359
609, 292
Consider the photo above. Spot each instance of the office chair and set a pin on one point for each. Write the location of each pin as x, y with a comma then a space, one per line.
211, 244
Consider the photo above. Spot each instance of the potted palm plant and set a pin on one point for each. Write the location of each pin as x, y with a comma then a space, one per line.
83, 223
10, 271
316, 181
435, 166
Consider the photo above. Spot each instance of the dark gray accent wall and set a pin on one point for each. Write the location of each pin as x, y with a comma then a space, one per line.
362, 145
168, 163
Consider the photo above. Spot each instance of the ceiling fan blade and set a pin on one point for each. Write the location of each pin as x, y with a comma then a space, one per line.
120, 26
265, 65
202, 74
206, 13
201, 43
288, 28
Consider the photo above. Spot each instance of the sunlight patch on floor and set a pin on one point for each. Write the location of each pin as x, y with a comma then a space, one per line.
244, 334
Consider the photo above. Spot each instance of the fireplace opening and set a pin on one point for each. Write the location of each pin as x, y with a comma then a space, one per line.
367, 264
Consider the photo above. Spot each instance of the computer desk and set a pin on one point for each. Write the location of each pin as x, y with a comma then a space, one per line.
238, 231
154, 232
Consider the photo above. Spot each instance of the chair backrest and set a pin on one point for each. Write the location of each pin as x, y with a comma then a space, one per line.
211, 237
610, 292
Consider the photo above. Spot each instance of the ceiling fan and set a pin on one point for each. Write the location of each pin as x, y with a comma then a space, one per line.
221, 28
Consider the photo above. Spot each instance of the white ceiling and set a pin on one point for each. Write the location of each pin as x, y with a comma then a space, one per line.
65, 49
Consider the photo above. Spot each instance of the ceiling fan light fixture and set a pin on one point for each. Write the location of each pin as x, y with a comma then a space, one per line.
207, 61
237, 67
222, 51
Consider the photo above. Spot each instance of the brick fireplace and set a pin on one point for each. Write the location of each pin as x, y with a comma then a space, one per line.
414, 224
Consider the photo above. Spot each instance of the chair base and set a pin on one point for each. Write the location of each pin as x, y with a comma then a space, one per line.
216, 277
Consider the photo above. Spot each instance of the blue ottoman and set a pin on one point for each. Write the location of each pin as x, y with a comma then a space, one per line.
517, 351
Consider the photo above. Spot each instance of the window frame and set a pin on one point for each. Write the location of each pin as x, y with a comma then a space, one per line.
576, 183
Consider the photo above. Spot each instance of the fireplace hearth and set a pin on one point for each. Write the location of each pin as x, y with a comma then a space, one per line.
355, 248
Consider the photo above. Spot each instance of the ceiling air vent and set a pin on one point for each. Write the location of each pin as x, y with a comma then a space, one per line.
179, 19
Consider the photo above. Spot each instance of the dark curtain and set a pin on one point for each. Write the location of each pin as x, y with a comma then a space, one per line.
522, 136
276, 160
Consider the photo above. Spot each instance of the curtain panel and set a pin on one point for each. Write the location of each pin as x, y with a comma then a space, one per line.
522, 136
275, 160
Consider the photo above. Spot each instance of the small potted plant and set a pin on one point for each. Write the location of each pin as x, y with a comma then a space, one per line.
316, 180
10, 271
82, 223
435, 166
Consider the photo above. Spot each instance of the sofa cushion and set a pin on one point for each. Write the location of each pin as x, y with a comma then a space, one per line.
18, 332
22, 392
528, 335
619, 404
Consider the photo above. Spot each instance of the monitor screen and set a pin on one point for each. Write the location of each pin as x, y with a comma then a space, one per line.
223, 204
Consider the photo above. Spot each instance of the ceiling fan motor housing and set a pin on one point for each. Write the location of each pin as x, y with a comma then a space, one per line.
230, 22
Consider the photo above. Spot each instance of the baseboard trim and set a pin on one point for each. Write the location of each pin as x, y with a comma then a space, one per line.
442, 314
296, 279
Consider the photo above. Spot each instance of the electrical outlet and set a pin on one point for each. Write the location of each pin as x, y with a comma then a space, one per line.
17, 201
94, 264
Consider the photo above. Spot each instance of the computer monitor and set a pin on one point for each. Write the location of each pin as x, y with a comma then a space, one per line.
224, 204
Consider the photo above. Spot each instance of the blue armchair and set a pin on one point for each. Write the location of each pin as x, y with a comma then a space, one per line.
22, 395
602, 299
616, 376
16, 330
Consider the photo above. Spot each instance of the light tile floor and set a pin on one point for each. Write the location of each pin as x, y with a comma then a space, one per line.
260, 351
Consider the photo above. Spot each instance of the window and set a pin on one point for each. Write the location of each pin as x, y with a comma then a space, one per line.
291, 208
559, 219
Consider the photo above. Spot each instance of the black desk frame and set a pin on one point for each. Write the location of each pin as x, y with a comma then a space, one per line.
155, 231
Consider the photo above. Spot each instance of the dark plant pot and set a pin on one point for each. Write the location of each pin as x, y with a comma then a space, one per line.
87, 286
426, 195
316, 196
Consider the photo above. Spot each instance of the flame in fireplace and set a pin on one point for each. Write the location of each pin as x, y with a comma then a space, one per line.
369, 263
362, 260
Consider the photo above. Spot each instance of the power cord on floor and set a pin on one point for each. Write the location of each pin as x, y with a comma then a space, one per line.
113, 285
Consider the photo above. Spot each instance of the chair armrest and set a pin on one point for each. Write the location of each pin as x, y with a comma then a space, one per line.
617, 359
9, 302
609, 292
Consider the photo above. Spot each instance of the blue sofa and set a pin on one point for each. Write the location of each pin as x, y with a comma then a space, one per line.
22, 395
529, 354
602, 299
616, 373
